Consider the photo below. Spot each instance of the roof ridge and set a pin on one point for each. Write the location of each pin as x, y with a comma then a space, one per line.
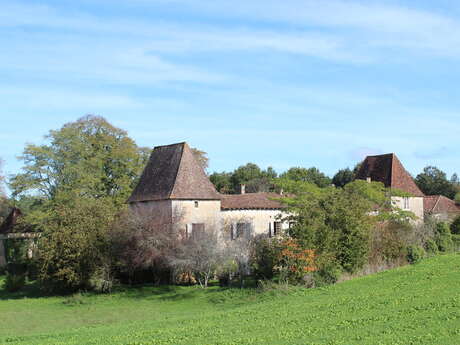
181, 161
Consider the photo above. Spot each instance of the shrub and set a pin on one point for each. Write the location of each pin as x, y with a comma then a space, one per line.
328, 274
431, 247
443, 237
456, 242
415, 254
74, 244
293, 261
455, 226
14, 282
102, 280
264, 257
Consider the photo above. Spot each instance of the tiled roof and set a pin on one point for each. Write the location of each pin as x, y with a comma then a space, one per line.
388, 170
251, 201
173, 173
439, 204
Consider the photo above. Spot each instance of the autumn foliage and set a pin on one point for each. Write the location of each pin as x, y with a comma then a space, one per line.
294, 262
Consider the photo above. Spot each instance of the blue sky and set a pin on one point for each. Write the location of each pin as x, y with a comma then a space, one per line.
281, 83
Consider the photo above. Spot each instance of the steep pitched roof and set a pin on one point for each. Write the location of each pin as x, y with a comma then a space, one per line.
173, 173
249, 201
439, 204
388, 169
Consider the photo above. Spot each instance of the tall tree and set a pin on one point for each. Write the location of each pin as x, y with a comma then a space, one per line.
433, 181
311, 175
88, 158
342, 177
222, 182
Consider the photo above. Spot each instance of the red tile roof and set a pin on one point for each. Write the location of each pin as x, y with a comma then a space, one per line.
388, 170
251, 201
173, 173
439, 204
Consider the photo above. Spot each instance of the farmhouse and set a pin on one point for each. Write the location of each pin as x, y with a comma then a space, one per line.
174, 190
388, 169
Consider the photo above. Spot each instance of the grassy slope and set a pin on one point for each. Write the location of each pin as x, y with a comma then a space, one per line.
412, 305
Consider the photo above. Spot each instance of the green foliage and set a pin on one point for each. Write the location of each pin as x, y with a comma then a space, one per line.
328, 273
407, 301
415, 254
334, 222
433, 181
456, 242
431, 247
455, 226
342, 177
255, 179
14, 282
311, 175
264, 257
88, 157
443, 237
74, 244
457, 198
222, 182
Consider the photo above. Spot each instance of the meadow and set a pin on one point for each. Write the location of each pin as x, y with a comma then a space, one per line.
418, 304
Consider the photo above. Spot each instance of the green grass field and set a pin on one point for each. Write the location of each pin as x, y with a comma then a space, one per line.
417, 304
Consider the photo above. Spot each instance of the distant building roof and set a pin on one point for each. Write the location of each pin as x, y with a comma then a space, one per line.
388, 169
439, 204
251, 201
173, 173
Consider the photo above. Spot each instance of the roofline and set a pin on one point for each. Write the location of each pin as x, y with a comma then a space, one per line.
176, 144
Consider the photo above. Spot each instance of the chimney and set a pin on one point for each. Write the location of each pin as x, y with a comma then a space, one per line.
368, 179
242, 189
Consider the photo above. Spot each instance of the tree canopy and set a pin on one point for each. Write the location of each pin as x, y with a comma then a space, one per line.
342, 177
433, 181
88, 158
311, 175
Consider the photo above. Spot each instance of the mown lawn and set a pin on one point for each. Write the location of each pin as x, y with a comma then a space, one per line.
417, 304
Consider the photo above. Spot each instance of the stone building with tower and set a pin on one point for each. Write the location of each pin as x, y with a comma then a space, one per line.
174, 190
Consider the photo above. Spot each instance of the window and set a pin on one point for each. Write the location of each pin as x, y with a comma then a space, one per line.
196, 204
406, 203
196, 229
241, 230
276, 228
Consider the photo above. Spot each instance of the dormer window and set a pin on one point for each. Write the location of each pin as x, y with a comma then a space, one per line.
197, 204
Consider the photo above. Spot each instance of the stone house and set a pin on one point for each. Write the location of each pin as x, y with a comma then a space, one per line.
388, 169
440, 207
174, 191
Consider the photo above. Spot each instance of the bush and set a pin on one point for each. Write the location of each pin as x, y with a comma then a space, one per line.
455, 226
415, 254
443, 237
456, 242
14, 282
431, 247
263, 258
74, 244
328, 274
102, 280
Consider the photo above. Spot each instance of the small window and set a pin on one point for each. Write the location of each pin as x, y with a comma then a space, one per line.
197, 230
406, 203
277, 228
241, 230
196, 204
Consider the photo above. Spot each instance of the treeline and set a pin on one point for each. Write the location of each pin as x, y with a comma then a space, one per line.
73, 191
